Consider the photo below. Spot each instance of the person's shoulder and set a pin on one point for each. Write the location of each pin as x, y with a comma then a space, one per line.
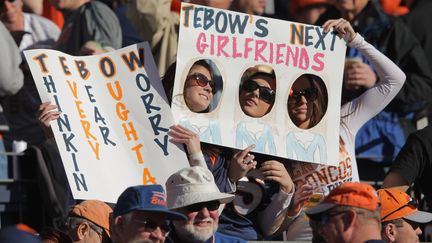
42, 21
223, 238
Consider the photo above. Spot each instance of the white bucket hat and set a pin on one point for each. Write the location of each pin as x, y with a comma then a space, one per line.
193, 185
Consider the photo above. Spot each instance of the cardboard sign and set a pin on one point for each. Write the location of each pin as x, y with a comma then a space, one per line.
112, 132
236, 44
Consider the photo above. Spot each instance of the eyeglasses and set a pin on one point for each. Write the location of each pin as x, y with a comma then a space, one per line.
310, 94
326, 216
211, 206
266, 94
412, 203
153, 225
201, 80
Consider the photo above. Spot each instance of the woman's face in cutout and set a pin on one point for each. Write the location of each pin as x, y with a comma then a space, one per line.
252, 102
197, 97
300, 109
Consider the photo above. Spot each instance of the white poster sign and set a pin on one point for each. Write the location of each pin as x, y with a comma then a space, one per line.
260, 63
113, 129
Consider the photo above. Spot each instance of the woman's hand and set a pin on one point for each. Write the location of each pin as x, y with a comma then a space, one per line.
275, 171
183, 135
241, 163
342, 26
301, 195
45, 114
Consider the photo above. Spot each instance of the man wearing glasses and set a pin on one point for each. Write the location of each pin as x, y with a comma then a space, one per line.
350, 213
399, 216
193, 192
88, 222
141, 215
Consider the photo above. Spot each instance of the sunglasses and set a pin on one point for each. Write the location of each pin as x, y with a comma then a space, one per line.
266, 94
310, 94
152, 225
412, 203
201, 80
211, 206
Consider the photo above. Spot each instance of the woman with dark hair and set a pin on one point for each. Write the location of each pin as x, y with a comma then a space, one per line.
307, 91
199, 87
353, 115
307, 104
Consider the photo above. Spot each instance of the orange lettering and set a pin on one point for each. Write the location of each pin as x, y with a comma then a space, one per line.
80, 111
138, 153
95, 149
86, 126
73, 89
147, 177
129, 131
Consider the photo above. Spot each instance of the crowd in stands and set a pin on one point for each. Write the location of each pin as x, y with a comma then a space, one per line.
229, 195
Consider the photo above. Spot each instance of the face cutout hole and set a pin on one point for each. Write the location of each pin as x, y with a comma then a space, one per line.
307, 101
257, 91
202, 86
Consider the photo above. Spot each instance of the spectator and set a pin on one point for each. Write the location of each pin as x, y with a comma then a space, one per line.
350, 213
53, 235
380, 139
193, 192
88, 222
353, 115
33, 6
228, 167
399, 216
141, 215
30, 31
416, 19
11, 80
255, 7
90, 27
413, 164
156, 23
306, 11
19, 233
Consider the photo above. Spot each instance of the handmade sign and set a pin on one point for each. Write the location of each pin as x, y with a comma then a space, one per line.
259, 71
113, 129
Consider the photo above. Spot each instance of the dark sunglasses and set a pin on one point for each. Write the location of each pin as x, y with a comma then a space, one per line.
310, 94
211, 206
266, 94
152, 225
412, 203
201, 80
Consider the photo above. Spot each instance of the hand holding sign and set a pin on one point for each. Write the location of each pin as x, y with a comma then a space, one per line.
241, 163
342, 26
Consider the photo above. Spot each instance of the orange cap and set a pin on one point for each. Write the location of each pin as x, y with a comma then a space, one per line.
297, 5
355, 194
397, 204
393, 7
95, 211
